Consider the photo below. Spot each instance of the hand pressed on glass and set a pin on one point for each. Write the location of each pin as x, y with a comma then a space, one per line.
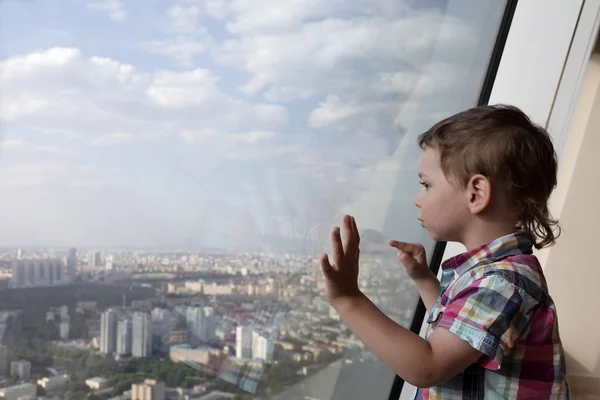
421, 362
412, 256
342, 276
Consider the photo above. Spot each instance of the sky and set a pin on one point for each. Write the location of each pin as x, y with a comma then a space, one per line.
239, 124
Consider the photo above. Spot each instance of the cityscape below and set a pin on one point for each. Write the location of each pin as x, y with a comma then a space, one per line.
181, 325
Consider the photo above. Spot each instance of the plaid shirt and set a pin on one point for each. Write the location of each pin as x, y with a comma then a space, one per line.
495, 298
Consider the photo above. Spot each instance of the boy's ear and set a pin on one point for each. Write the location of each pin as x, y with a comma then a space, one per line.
479, 193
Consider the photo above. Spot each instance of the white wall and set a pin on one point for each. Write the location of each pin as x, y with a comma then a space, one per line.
572, 267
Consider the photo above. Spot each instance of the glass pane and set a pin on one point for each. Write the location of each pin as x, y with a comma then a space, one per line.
171, 171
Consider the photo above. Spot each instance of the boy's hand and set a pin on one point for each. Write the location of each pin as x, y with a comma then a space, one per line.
412, 256
341, 278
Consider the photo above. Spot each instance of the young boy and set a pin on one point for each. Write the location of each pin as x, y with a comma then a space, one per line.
486, 175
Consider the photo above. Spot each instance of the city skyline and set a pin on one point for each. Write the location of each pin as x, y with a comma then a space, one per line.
278, 306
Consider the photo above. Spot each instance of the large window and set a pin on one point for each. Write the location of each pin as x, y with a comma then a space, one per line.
170, 172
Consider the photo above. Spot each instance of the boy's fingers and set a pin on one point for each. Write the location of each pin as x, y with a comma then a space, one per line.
355, 232
348, 234
338, 250
404, 257
412, 248
417, 251
399, 245
326, 265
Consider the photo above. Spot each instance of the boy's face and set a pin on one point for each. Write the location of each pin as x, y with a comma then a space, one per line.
443, 206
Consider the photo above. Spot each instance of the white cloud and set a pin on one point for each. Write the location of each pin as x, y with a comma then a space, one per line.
437, 79
240, 146
62, 89
112, 138
115, 9
181, 48
185, 37
23, 105
40, 61
227, 139
331, 111
267, 15
31, 173
12, 144
86, 168
331, 55
183, 19
65, 106
361, 60
86, 183
107, 69
27, 168
216, 8
253, 137
175, 90
26, 147
189, 136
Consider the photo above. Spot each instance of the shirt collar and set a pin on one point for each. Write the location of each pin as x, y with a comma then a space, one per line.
509, 245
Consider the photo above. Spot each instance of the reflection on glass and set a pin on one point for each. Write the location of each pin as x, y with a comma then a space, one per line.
171, 171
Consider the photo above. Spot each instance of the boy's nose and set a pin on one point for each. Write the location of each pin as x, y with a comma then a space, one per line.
417, 202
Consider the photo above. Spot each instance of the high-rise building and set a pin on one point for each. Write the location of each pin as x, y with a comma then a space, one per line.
272, 288
194, 317
108, 331
18, 274
59, 271
71, 265
201, 325
162, 320
21, 369
149, 390
243, 342
142, 335
3, 360
36, 273
211, 322
30, 273
49, 266
124, 337
40, 272
162, 323
11, 323
94, 259
64, 326
262, 346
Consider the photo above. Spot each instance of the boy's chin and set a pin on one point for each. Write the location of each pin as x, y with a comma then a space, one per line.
437, 236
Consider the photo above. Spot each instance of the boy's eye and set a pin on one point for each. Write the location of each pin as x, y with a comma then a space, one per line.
425, 185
